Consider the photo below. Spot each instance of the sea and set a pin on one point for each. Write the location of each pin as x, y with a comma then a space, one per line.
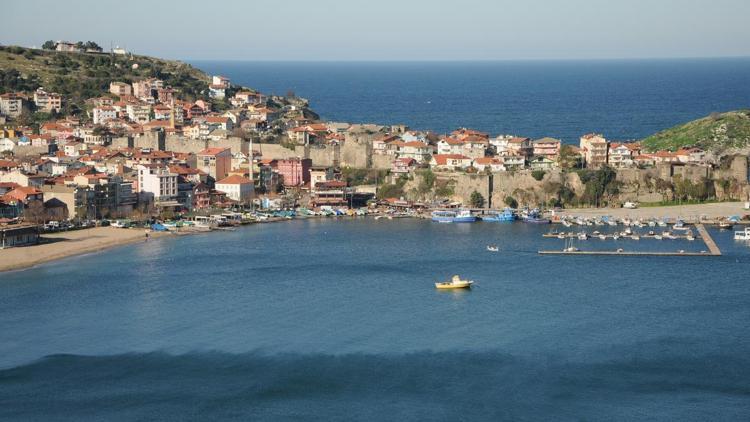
622, 99
338, 319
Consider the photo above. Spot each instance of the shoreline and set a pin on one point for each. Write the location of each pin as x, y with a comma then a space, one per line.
62, 245
56, 246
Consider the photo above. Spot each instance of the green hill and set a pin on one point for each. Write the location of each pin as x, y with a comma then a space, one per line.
80, 76
716, 132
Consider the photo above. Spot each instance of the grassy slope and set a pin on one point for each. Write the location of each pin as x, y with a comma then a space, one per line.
716, 132
79, 76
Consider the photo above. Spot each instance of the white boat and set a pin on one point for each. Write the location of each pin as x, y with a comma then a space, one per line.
635, 237
742, 235
658, 237
602, 237
583, 236
492, 248
454, 283
566, 223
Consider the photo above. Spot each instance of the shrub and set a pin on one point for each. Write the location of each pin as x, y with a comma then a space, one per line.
538, 174
511, 202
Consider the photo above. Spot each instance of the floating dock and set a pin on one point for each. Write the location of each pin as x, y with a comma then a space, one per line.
713, 249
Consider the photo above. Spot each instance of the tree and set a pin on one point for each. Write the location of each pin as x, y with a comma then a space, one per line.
511, 202
476, 200
568, 158
35, 212
538, 175
49, 45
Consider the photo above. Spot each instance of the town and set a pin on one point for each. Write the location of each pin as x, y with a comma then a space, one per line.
146, 150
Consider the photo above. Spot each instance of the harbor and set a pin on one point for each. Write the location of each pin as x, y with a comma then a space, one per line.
569, 249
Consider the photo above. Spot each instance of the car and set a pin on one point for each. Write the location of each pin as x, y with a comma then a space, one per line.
630, 205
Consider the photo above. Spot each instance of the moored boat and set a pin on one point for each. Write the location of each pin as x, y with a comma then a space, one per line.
505, 215
450, 216
454, 283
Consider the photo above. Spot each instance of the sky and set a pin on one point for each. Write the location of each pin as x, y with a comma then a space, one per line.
389, 29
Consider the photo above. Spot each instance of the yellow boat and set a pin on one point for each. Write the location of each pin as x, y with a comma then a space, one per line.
455, 283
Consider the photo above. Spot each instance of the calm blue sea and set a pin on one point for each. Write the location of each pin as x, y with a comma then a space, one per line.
623, 99
339, 320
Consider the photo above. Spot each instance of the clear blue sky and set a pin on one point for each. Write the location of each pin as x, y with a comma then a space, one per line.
390, 29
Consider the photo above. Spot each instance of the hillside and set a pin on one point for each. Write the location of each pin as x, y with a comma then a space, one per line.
716, 132
79, 76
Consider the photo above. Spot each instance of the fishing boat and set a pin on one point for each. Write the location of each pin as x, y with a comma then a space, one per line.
506, 215
454, 283
449, 216
492, 248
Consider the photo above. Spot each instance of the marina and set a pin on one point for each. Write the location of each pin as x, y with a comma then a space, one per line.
713, 249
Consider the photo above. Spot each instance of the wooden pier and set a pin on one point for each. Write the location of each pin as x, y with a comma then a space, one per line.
713, 249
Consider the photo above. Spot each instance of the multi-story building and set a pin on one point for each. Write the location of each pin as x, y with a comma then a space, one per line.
139, 113
47, 102
294, 171
547, 147
594, 149
158, 181
120, 89
215, 162
11, 104
104, 114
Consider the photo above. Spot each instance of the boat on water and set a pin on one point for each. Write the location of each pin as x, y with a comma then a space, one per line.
602, 237
505, 215
450, 216
454, 283
492, 248
680, 225
726, 224
742, 235
535, 217
583, 236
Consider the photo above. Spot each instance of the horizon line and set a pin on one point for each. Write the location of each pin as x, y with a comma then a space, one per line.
644, 58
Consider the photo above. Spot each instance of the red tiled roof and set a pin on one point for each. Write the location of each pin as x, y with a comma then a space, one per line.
234, 180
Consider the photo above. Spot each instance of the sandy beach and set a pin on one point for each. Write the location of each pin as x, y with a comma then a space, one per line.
688, 212
61, 245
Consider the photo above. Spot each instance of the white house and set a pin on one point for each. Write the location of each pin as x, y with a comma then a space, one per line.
237, 188
450, 146
104, 114
450, 161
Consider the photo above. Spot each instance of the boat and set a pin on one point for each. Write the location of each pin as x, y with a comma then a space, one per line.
583, 236
569, 246
657, 237
492, 248
680, 225
566, 223
454, 283
506, 215
602, 237
742, 235
616, 236
635, 237
726, 224
535, 217
449, 216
